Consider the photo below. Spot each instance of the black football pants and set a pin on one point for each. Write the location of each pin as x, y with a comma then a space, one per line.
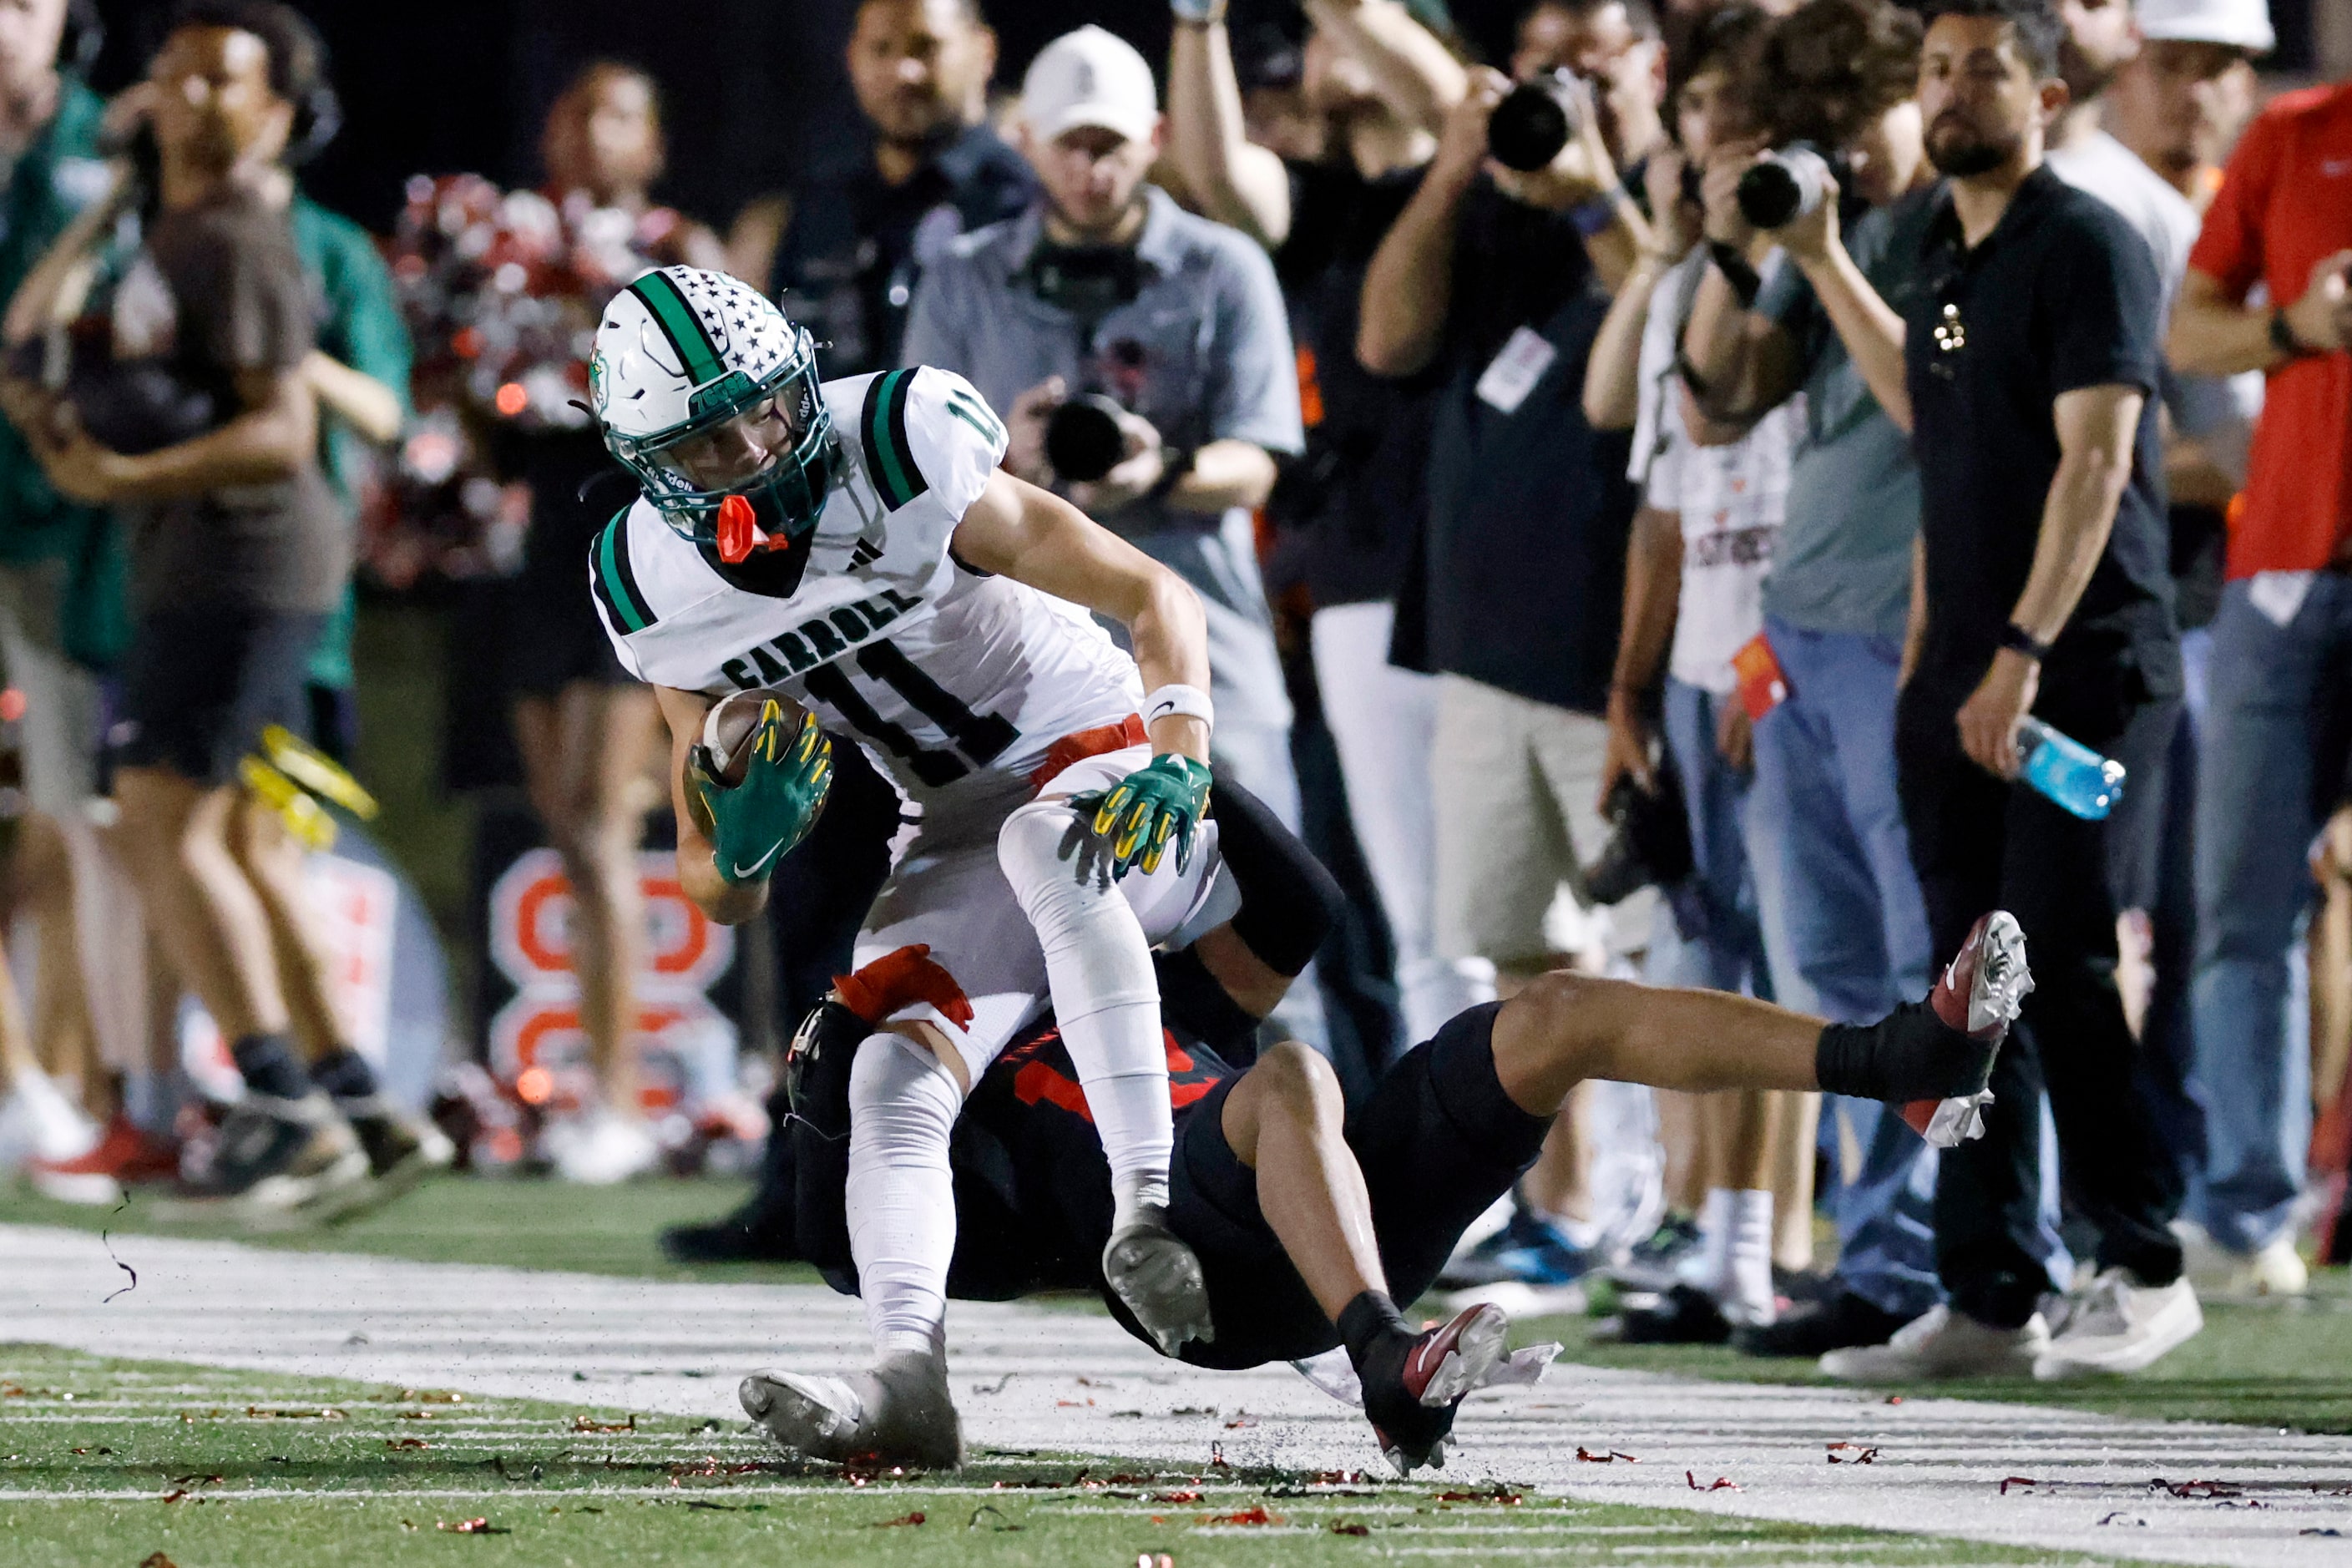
1980, 843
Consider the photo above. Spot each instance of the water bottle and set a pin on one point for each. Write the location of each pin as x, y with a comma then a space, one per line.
2068, 772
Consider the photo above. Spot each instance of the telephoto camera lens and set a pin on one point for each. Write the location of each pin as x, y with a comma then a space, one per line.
1783, 185
1533, 121
1084, 439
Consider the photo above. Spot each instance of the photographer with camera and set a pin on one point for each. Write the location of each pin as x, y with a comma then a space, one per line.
1144, 364
1842, 75
1494, 281
2027, 361
1702, 542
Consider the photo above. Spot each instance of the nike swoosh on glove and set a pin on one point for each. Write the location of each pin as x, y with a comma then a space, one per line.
755, 823
1163, 800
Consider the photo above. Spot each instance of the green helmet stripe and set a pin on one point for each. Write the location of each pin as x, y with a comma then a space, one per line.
676, 319
882, 427
615, 579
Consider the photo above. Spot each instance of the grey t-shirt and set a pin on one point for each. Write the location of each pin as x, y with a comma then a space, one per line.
219, 291
1844, 563
1202, 350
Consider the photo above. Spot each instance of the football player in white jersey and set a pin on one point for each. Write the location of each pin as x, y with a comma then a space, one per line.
853, 545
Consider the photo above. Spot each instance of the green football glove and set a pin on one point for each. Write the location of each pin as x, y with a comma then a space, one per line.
1163, 800
754, 824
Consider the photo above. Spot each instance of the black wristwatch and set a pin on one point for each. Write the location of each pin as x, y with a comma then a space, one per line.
2283, 336
2019, 640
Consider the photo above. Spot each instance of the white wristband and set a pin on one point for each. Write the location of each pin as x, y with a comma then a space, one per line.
1188, 702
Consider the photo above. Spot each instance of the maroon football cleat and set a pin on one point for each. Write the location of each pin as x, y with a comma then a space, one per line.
1981, 993
1446, 1363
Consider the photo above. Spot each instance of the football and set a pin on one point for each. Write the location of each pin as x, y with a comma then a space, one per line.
727, 731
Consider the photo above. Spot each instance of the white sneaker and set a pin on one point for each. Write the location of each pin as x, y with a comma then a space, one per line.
38, 1122
2121, 1325
598, 1149
2274, 1270
899, 1414
1941, 1343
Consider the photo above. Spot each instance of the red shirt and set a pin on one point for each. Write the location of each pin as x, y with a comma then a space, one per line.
2285, 204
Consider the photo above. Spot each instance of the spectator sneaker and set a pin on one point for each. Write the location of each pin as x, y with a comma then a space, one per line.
1685, 1315
598, 1149
127, 1155
38, 1122
899, 1413
2271, 1272
1528, 1251
275, 1159
2121, 1325
1413, 1416
1654, 1265
1942, 1343
1842, 1321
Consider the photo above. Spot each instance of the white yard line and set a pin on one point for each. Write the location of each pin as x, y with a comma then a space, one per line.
1059, 1381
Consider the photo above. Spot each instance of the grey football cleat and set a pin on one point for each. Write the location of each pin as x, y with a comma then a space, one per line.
899, 1413
1149, 1267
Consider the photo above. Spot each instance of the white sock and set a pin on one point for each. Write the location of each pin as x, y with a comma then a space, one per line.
900, 1195
1746, 1294
1709, 1266
1106, 997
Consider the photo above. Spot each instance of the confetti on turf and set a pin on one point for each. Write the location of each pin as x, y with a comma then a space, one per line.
997, 1518
475, 1526
1720, 1484
914, 1518
2008, 1481
1860, 1454
156, 1559
1348, 1527
590, 1423
1606, 1457
1254, 1514
106, 1240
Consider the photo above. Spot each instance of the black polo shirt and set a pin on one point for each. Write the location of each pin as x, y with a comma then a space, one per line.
1523, 568
2062, 295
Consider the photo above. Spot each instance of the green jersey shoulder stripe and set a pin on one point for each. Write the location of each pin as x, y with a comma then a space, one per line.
963, 406
615, 580
678, 322
882, 431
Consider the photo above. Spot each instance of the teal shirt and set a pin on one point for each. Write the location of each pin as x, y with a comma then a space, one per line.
58, 175
1843, 560
360, 324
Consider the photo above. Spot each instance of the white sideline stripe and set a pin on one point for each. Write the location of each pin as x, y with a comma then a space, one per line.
635, 1343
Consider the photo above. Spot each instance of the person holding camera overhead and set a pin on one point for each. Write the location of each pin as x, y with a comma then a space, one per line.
2026, 365
1495, 279
1839, 76
1143, 359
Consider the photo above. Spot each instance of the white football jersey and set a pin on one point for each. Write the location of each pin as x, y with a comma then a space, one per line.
944, 674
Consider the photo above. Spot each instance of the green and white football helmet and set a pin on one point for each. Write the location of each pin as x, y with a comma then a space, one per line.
706, 391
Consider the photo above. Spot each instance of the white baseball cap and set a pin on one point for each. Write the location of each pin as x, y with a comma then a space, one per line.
1089, 78
2240, 23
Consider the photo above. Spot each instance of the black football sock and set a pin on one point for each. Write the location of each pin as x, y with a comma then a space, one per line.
344, 1074
1910, 1053
268, 1066
1379, 1339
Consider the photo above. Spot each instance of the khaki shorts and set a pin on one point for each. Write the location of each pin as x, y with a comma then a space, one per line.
1515, 783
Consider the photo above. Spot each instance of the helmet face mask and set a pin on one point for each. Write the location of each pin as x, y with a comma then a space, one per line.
714, 419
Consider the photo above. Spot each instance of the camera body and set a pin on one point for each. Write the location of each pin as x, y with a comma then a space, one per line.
1534, 120
1785, 184
1084, 438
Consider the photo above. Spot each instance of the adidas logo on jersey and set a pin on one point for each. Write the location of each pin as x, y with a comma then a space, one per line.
814, 642
866, 554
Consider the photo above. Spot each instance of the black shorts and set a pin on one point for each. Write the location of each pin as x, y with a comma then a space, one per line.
200, 685
1438, 1141
553, 636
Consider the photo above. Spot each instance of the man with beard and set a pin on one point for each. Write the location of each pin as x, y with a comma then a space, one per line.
2027, 371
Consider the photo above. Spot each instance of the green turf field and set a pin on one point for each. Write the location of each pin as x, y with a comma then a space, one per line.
2281, 1364
116, 1462
2277, 1366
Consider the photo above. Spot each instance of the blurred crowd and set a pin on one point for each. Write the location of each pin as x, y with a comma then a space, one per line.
1723, 496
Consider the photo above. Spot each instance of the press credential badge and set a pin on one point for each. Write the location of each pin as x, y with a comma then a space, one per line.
1506, 383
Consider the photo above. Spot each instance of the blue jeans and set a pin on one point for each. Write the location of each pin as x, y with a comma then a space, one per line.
1845, 927
2258, 806
1714, 907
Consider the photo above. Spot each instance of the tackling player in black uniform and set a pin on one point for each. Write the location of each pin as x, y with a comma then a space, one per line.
1311, 1223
